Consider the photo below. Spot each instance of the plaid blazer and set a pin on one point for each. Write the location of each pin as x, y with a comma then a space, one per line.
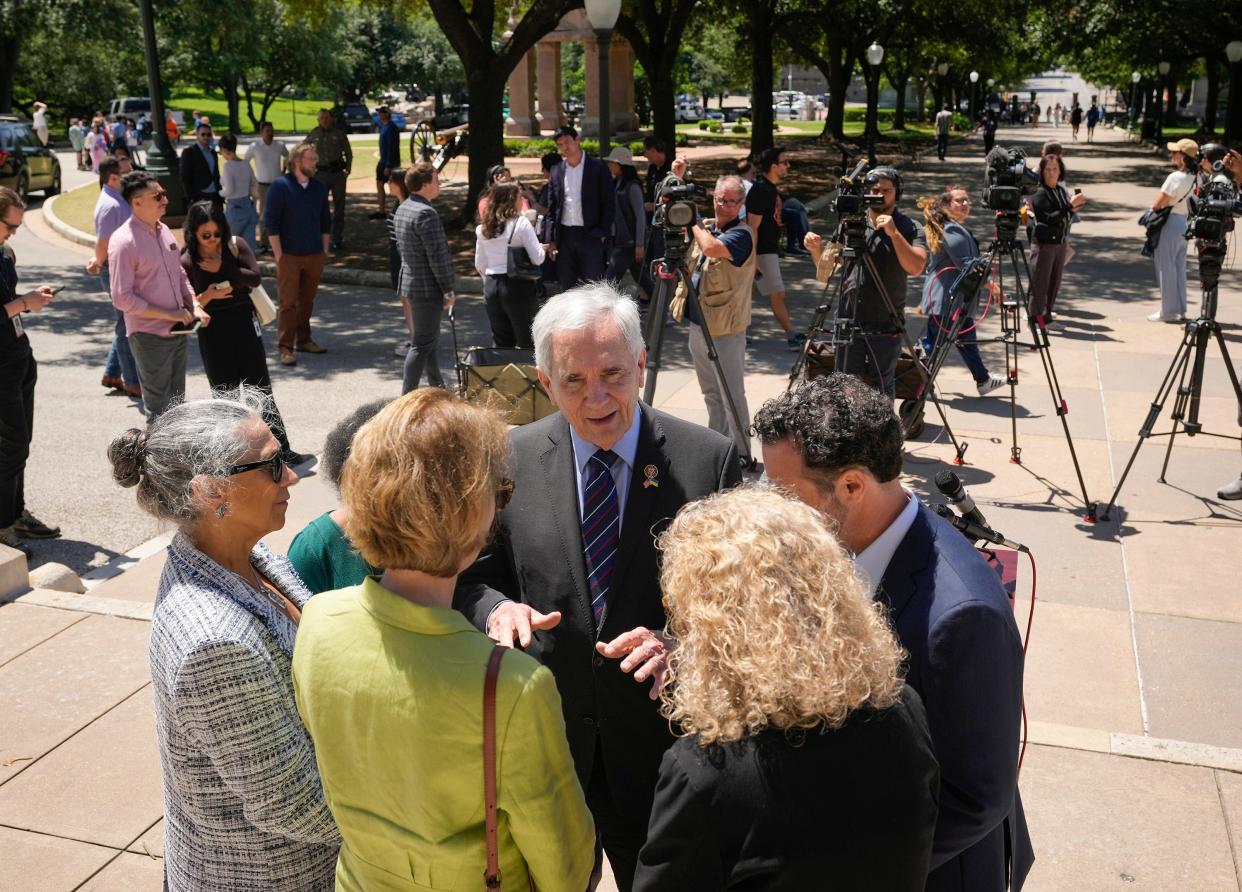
426, 264
243, 804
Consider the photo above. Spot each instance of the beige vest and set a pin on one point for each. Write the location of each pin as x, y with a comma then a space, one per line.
724, 291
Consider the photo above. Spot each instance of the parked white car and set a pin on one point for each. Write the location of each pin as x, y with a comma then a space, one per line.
688, 112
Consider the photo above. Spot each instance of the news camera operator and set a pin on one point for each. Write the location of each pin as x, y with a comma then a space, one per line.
897, 248
722, 271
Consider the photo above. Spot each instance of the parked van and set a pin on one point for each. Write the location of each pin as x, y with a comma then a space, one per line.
130, 107
688, 111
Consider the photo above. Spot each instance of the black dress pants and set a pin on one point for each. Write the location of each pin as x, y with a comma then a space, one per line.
615, 833
511, 307
232, 351
579, 258
16, 425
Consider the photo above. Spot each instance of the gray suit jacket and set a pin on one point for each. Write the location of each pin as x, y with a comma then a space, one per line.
243, 804
426, 264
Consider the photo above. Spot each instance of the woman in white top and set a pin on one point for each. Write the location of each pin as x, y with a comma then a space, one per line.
511, 302
240, 190
1170, 256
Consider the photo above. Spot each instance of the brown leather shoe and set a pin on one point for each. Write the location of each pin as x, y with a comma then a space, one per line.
112, 383
287, 357
309, 346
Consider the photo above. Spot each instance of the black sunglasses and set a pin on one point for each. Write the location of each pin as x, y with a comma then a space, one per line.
276, 463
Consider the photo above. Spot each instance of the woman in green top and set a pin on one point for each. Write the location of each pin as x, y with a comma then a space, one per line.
389, 678
320, 552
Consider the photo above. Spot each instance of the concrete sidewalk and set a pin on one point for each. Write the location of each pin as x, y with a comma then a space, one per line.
1133, 773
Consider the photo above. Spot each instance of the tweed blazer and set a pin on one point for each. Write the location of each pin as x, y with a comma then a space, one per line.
243, 804
426, 263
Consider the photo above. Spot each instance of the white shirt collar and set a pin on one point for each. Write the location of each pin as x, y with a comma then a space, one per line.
626, 448
875, 558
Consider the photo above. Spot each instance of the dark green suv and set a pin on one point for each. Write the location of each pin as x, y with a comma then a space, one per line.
26, 165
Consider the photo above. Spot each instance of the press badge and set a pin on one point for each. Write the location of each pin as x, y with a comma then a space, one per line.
17, 325
258, 332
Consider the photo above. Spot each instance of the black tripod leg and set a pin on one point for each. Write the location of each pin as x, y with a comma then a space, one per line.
1194, 341
730, 402
817, 321
655, 330
1176, 372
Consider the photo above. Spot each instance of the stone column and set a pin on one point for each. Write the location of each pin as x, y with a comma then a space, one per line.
590, 118
551, 113
621, 84
521, 120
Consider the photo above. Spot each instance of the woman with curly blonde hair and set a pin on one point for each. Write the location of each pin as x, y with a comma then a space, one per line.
807, 763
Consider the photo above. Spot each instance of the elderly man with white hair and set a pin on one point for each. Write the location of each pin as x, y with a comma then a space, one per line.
572, 575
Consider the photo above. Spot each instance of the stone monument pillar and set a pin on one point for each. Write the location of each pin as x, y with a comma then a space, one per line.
551, 114
521, 120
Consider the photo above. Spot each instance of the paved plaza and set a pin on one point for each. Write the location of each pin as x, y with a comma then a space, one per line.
1133, 773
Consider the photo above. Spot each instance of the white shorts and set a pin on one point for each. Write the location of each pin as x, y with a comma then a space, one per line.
770, 281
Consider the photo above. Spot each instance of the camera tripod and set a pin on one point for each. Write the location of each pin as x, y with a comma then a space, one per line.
1014, 310
1188, 362
668, 270
847, 333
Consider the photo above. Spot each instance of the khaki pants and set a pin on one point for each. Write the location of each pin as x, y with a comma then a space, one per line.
262, 229
297, 280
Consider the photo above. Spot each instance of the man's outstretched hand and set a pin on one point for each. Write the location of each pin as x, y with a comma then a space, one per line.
641, 649
512, 620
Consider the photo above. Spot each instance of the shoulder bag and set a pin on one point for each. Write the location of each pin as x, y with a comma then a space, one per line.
1154, 221
520, 266
263, 306
491, 876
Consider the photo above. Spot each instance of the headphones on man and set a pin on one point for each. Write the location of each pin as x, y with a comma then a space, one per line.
885, 173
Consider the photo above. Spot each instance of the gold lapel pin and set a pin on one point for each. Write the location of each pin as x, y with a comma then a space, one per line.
651, 472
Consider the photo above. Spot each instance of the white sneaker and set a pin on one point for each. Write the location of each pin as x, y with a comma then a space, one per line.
401, 349
1230, 491
1161, 317
993, 382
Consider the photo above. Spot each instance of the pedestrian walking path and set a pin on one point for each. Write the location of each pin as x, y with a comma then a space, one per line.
1133, 771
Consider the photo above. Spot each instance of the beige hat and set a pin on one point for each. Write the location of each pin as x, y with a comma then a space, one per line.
1187, 147
621, 155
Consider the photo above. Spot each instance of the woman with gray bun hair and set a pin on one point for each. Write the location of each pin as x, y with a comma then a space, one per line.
243, 803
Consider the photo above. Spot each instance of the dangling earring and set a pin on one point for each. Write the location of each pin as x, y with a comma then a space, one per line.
222, 510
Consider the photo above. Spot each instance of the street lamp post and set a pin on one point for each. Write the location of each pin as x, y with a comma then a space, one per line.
1135, 77
1233, 111
161, 157
974, 80
875, 55
1163, 68
603, 15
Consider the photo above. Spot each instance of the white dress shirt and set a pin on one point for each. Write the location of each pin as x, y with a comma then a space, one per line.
571, 210
491, 255
626, 449
267, 160
873, 562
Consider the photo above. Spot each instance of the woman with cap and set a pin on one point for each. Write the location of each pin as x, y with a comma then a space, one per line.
511, 301
629, 226
1170, 256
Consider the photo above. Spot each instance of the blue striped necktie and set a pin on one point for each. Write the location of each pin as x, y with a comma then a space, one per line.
601, 527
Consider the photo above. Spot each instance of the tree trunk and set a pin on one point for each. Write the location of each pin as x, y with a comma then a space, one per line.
759, 27
1213, 95
233, 98
9, 49
486, 90
921, 111
840, 63
899, 111
663, 110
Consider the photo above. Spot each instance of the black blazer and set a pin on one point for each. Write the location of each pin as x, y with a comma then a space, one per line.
965, 660
599, 198
536, 559
1052, 215
196, 174
851, 809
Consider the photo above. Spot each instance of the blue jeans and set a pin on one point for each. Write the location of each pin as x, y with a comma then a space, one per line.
797, 222
243, 219
965, 344
120, 361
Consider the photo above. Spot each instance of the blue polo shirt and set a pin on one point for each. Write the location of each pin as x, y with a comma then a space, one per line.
298, 215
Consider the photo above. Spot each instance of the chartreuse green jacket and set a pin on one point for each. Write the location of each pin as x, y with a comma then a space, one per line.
392, 695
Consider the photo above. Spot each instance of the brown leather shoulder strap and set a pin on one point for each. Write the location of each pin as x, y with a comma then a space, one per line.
491, 877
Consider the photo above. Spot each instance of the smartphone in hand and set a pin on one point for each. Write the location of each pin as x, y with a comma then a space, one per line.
182, 328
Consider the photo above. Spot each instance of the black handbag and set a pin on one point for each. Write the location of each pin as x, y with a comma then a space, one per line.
520, 266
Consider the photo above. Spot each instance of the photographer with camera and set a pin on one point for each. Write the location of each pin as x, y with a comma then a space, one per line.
897, 249
722, 271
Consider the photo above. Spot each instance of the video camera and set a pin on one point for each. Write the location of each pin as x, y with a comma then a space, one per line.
1006, 179
851, 205
675, 207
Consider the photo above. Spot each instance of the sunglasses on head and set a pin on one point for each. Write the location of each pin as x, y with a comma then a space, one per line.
276, 464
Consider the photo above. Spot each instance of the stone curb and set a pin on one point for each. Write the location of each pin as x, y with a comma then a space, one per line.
332, 275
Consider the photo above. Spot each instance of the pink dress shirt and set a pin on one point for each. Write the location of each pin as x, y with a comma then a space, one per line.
144, 270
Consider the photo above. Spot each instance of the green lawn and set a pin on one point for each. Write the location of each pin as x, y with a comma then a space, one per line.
212, 104
77, 207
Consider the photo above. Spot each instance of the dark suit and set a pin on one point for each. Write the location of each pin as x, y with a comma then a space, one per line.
580, 249
853, 808
197, 175
537, 559
965, 660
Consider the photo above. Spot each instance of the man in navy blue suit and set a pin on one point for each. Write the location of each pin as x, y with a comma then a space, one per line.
581, 205
837, 445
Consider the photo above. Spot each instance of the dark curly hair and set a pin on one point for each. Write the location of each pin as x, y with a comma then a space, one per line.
336, 447
836, 422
